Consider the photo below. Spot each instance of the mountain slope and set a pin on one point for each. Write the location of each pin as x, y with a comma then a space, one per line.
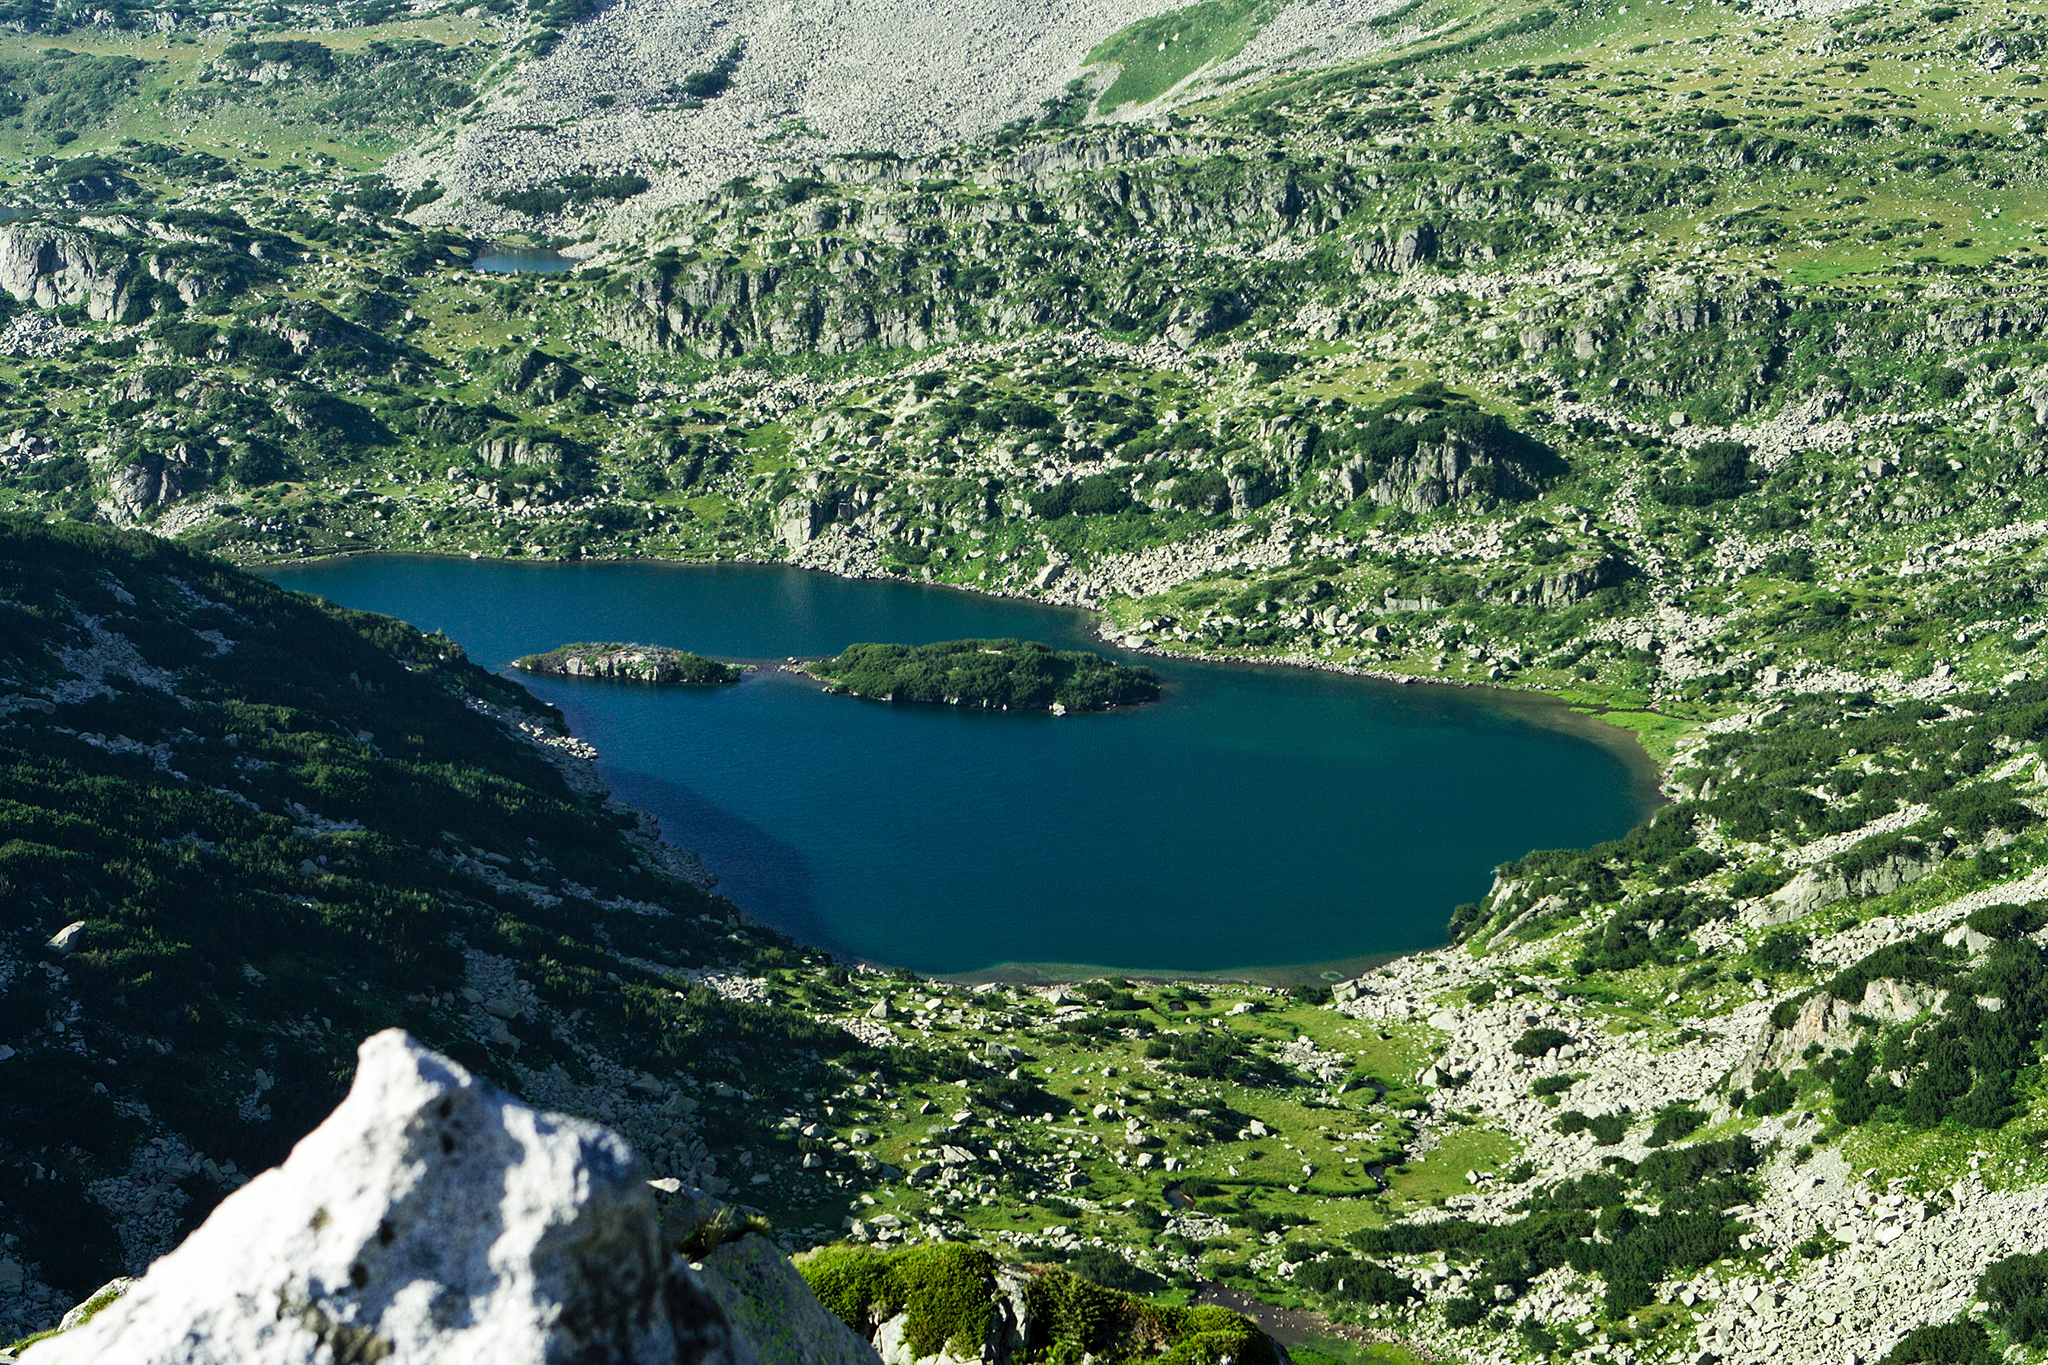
239, 830
695, 94
1687, 362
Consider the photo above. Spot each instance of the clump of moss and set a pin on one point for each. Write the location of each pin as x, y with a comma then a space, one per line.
948, 1292
949, 1295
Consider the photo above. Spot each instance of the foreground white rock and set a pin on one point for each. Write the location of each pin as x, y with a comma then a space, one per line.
432, 1217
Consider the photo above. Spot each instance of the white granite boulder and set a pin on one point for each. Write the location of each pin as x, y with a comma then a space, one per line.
432, 1217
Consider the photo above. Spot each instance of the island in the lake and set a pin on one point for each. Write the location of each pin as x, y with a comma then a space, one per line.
631, 663
1007, 675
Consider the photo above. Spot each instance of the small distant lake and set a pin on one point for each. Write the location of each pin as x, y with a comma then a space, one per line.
1256, 818
523, 260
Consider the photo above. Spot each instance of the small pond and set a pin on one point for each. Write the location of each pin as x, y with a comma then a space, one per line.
523, 260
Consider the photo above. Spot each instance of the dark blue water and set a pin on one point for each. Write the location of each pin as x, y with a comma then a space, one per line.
1255, 817
522, 260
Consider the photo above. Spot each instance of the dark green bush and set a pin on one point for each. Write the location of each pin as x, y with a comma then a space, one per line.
1950, 1343
1717, 472
1773, 1093
1352, 1279
1674, 1121
2016, 1290
2007, 921
1005, 674
1607, 1129
1537, 1041
1781, 950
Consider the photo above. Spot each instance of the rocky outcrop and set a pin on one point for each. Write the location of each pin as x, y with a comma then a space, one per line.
1006, 1340
1204, 317
1566, 586
722, 309
1818, 887
540, 378
773, 1310
308, 328
1453, 470
433, 1217
802, 517
1399, 250
134, 490
61, 267
118, 274
1251, 488
1832, 1023
501, 451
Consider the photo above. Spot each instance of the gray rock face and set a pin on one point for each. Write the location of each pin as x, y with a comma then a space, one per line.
432, 1217
156, 479
1455, 470
501, 451
1567, 586
112, 274
768, 1302
52, 266
802, 517
1817, 887
540, 377
1398, 250
1009, 1330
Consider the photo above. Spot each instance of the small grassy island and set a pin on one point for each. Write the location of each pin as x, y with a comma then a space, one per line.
633, 663
1009, 675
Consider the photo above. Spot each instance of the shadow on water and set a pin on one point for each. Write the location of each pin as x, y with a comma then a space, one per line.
769, 879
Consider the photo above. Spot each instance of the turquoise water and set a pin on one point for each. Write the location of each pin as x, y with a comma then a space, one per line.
1256, 817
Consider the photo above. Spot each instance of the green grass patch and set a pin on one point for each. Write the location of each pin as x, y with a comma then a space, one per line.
1441, 1173
1659, 734
1156, 54
1337, 1351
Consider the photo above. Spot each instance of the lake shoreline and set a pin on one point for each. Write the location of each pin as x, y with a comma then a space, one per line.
1562, 715
1522, 704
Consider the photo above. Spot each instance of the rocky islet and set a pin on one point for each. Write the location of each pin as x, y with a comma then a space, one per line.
631, 663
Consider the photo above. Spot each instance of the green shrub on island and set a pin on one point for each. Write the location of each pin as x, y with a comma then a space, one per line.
1009, 675
635, 663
